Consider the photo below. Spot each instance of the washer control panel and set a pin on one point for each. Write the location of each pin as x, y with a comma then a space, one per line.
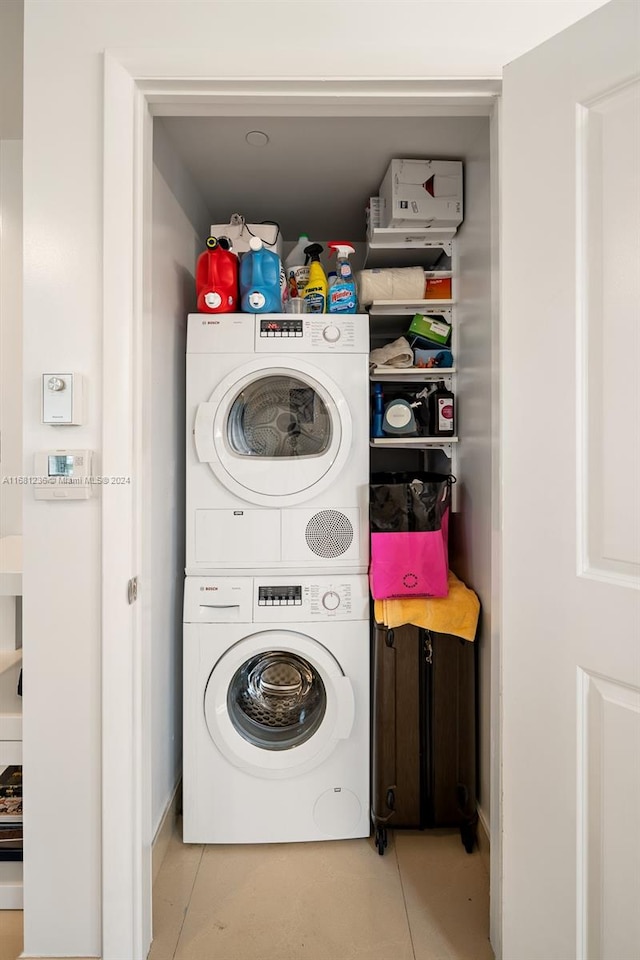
311, 599
277, 327
279, 596
328, 598
311, 333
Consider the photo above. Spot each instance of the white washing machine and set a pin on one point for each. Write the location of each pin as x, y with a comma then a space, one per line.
276, 709
277, 443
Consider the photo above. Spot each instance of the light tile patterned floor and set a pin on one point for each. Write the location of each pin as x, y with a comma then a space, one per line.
426, 899
10, 934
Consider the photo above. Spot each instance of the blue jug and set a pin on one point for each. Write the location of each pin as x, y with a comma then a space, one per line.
260, 280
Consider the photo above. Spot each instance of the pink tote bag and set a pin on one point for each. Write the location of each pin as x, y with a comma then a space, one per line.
410, 562
413, 564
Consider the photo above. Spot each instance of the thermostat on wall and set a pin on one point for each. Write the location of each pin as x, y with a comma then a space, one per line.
62, 399
62, 475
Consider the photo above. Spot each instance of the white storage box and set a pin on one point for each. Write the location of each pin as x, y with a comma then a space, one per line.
240, 233
426, 193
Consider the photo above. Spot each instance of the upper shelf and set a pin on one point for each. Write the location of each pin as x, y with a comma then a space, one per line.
394, 247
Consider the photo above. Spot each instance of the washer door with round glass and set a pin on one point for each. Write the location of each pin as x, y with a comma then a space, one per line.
275, 434
277, 704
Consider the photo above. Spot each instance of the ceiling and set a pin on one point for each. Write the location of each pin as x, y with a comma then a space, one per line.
315, 175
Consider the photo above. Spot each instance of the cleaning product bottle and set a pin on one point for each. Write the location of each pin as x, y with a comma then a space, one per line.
442, 402
217, 278
378, 411
315, 292
284, 287
343, 297
260, 279
295, 267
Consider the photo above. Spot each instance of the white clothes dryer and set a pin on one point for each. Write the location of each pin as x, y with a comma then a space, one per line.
277, 443
276, 709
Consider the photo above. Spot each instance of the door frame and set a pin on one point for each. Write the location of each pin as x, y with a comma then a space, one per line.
139, 85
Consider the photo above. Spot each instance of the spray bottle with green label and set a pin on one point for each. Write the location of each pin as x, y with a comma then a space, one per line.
343, 297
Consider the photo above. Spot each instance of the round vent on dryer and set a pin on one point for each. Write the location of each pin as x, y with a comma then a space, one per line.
329, 533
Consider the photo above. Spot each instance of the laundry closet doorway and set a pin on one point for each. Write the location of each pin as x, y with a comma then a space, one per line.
130, 101
303, 100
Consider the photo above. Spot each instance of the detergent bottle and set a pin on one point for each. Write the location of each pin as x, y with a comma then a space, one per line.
378, 411
217, 278
296, 267
442, 409
260, 279
342, 297
315, 292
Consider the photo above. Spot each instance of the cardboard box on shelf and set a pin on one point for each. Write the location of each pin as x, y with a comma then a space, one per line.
437, 288
428, 331
422, 193
433, 358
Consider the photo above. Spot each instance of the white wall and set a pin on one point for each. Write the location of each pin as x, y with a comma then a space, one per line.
176, 243
10, 362
64, 42
10, 334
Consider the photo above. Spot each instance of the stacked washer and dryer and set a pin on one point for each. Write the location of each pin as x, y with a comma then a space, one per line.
276, 609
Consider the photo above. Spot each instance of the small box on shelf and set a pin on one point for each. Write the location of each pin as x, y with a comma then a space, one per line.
430, 331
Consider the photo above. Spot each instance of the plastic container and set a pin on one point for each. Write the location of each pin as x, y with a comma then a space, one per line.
315, 292
297, 256
342, 296
260, 280
378, 411
296, 267
442, 411
217, 279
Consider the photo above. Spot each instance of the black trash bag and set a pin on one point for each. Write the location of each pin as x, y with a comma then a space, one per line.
403, 502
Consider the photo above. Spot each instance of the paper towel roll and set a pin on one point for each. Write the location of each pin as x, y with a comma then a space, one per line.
393, 283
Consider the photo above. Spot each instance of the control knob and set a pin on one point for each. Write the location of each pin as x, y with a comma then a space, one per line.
331, 600
331, 333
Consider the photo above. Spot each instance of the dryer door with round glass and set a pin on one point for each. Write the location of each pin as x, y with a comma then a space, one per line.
277, 703
275, 432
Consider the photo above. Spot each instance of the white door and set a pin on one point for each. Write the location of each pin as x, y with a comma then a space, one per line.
570, 251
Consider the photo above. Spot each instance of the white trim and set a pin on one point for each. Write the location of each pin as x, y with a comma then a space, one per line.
126, 896
138, 83
484, 840
495, 871
167, 828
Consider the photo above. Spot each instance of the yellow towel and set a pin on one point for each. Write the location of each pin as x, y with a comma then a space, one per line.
457, 614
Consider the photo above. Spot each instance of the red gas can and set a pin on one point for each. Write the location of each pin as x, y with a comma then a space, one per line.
217, 279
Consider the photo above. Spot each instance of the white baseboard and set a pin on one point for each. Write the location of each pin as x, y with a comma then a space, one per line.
164, 832
484, 838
